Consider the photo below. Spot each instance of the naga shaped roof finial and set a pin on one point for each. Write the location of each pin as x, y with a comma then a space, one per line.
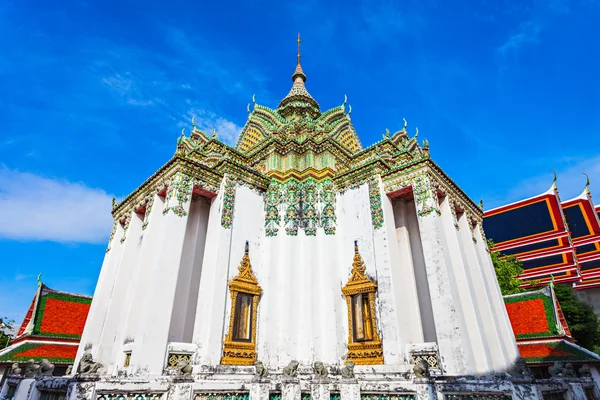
405, 124
587, 184
214, 134
555, 178
194, 122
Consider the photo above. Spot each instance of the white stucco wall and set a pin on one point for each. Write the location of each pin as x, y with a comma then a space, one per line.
170, 285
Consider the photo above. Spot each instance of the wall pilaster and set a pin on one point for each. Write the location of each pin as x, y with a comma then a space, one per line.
120, 295
101, 300
505, 332
150, 353
496, 353
209, 328
446, 308
146, 272
464, 292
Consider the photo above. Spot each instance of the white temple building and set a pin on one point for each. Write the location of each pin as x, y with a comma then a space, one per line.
261, 271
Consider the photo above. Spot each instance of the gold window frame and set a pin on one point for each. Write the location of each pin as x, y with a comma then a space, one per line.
242, 352
363, 352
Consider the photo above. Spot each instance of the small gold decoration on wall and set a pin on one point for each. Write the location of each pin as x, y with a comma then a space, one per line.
364, 343
175, 358
127, 359
240, 342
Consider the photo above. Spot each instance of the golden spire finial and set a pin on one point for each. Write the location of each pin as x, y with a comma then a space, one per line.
299, 73
299, 41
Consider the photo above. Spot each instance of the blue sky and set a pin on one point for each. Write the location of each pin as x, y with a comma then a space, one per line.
94, 96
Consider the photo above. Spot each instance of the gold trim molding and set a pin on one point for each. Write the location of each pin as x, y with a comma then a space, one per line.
368, 352
242, 352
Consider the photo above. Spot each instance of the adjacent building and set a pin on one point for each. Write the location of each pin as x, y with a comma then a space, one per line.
51, 330
555, 240
543, 335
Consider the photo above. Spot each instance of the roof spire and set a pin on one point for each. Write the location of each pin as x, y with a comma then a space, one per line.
299, 41
299, 76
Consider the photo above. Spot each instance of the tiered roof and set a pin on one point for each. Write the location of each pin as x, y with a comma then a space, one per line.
51, 328
553, 239
541, 330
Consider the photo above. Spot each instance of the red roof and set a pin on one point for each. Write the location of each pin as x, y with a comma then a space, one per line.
557, 350
534, 315
27, 318
51, 328
541, 330
55, 314
55, 353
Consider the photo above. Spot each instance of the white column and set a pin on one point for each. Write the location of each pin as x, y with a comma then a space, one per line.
259, 391
213, 293
146, 270
285, 254
408, 211
320, 391
465, 292
349, 389
400, 321
495, 351
99, 307
22, 392
324, 300
404, 285
151, 352
290, 390
506, 334
190, 270
114, 322
307, 281
444, 301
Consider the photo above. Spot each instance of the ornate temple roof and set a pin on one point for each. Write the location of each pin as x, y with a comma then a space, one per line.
541, 330
51, 328
296, 141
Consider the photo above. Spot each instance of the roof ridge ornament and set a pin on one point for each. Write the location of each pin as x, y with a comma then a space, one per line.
587, 183
555, 178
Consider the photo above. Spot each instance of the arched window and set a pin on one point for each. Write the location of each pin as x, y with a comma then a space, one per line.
239, 347
364, 344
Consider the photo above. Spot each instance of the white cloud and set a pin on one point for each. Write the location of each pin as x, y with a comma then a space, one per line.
228, 131
528, 33
38, 208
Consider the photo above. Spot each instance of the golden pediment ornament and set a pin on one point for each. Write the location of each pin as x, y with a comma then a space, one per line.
239, 346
